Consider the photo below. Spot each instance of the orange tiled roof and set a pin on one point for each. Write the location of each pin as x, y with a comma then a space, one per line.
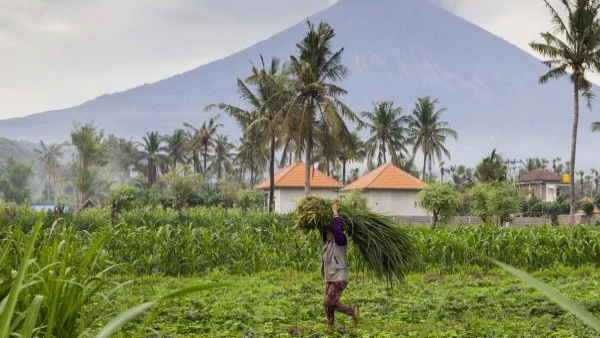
293, 177
388, 177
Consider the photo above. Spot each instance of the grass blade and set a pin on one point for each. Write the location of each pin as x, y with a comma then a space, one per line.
123, 318
192, 289
32, 314
15, 289
562, 301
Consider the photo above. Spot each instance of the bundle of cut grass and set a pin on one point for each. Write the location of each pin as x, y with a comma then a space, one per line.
385, 248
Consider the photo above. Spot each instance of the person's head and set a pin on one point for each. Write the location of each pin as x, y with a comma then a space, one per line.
330, 237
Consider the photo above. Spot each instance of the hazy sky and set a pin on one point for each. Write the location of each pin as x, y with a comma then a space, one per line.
59, 53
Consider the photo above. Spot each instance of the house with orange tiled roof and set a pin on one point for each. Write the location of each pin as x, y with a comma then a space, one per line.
289, 186
390, 190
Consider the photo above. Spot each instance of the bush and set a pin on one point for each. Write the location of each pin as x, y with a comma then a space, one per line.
588, 209
441, 199
494, 200
248, 199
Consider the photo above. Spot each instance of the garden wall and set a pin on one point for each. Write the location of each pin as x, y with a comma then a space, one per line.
472, 220
579, 219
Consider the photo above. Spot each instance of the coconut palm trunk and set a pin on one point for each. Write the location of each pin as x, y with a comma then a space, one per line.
307, 151
344, 171
205, 160
424, 165
48, 188
272, 175
573, 150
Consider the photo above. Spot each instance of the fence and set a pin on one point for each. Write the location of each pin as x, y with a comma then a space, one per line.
473, 220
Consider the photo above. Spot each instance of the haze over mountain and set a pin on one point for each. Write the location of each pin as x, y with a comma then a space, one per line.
394, 50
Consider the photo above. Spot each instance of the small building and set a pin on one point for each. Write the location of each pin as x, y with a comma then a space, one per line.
543, 184
390, 190
289, 186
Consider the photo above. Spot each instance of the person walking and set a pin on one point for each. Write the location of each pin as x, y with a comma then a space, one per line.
335, 271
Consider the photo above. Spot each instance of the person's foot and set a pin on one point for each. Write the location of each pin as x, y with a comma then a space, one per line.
355, 316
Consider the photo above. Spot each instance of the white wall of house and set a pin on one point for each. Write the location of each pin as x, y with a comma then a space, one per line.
395, 202
551, 192
286, 198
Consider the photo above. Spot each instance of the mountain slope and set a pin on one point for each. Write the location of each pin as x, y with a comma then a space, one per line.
395, 50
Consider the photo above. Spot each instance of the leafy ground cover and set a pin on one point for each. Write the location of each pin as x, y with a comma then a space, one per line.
472, 303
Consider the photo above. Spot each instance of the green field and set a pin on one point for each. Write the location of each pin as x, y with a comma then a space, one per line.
83, 273
474, 303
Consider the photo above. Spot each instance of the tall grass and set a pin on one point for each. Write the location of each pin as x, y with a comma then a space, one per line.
53, 277
156, 242
58, 288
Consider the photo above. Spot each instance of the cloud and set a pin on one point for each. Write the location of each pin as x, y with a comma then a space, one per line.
58, 53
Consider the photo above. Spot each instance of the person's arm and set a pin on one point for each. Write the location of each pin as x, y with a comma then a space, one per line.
338, 233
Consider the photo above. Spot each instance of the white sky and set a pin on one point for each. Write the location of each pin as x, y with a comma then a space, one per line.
59, 53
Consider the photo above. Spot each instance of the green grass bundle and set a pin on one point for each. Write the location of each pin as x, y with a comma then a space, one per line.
385, 248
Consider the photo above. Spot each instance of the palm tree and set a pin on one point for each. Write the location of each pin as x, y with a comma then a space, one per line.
205, 139
491, 169
151, 148
576, 51
407, 164
49, 156
221, 160
193, 134
596, 177
249, 157
595, 127
580, 173
427, 132
312, 99
350, 151
461, 174
557, 167
388, 134
265, 116
443, 170
176, 146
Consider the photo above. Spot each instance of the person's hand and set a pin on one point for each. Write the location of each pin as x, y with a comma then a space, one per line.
335, 209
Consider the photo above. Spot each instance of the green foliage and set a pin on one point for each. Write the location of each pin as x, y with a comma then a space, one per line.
597, 201
491, 169
92, 151
249, 199
60, 287
356, 199
120, 199
14, 184
503, 201
489, 200
441, 199
181, 183
472, 302
588, 208
229, 190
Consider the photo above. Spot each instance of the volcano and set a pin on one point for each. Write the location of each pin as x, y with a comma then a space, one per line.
395, 50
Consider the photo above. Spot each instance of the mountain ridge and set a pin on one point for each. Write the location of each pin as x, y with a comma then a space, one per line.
394, 51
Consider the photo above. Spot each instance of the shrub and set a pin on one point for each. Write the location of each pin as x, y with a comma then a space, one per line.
249, 199
489, 200
588, 209
441, 199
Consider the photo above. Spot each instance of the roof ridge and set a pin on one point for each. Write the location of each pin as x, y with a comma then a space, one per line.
383, 168
286, 171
